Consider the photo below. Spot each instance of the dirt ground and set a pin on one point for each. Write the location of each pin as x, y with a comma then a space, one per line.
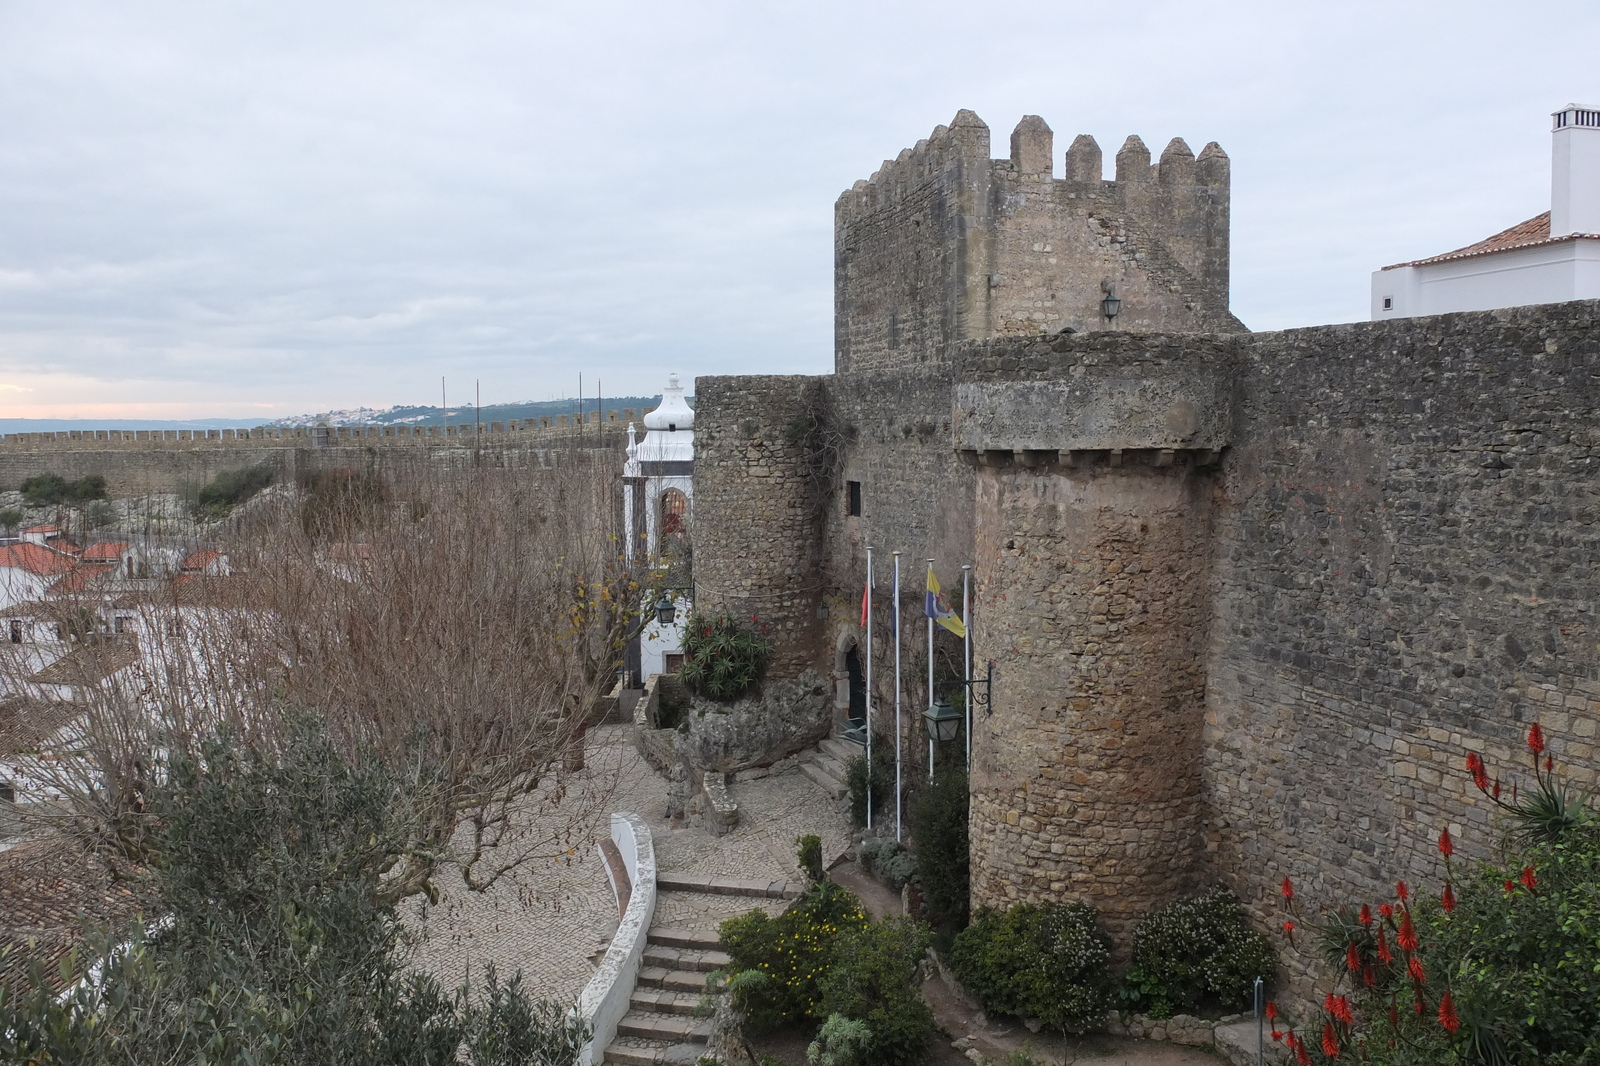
960, 1027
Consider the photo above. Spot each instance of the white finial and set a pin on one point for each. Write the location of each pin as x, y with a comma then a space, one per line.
674, 414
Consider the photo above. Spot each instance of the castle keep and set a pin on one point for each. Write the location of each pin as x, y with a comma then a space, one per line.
1250, 597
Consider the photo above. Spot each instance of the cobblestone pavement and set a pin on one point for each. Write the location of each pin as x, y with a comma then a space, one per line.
554, 918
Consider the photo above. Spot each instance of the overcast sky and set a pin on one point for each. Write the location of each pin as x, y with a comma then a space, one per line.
230, 209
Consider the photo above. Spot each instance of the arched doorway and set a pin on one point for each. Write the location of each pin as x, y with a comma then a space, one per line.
674, 513
857, 676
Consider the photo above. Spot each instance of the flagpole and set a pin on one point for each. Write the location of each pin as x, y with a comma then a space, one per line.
869, 686
897, 730
930, 673
966, 651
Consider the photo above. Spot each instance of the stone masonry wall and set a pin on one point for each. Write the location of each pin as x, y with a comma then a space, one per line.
757, 523
1086, 775
944, 245
1406, 570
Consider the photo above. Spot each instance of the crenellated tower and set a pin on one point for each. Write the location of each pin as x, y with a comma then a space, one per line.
945, 244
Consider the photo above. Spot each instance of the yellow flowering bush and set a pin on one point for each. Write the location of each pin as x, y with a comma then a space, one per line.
779, 963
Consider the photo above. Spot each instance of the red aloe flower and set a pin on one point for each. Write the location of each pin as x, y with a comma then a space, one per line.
1418, 1005
1402, 891
1529, 882
1407, 937
1341, 1010
1366, 915
1394, 1014
1549, 764
1447, 847
1369, 976
1302, 1057
1535, 739
1447, 1013
1330, 1041
1383, 947
1386, 910
1497, 788
1288, 931
1276, 1036
1448, 899
1511, 886
1414, 967
1475, 767
1352, 958
1288, 889
1272, 1011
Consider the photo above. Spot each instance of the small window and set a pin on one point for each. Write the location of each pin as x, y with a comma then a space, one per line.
674, 662
8, 791
854, 490
1388, 303
16, 631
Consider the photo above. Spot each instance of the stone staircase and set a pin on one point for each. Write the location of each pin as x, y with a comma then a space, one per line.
826, 765
662, 1025
665, 1024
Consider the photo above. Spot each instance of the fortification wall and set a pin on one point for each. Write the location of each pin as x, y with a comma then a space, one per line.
944, 245
137, 462
1407, 543
757, 520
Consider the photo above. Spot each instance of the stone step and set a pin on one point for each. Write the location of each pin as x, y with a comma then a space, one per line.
631, 1051
672, 980
835, 768
678, 1028
686, 959
729, 886
842, 750
683, 936
664, 1001
829, 784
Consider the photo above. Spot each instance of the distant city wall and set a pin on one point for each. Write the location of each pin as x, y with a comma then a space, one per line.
137, 462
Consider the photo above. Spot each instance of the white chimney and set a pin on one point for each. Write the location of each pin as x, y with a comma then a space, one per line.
1575, 171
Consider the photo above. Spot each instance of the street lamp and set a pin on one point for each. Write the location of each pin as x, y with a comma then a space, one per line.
944, 721
666, 610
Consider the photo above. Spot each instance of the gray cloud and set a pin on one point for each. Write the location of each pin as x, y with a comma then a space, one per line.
209, 207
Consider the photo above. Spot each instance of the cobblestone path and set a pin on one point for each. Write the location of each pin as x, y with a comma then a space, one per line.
554, 918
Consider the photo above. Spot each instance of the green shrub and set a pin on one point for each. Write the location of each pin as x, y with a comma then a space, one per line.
840, 1042
45, 489
882, 782
873, 980
10, 517
808, 853
792, 951
939, 829
888, 861
1195, 953
229, 489
1038, 960
722, 660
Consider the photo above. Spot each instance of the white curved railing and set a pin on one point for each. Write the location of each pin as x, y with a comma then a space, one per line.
605, 999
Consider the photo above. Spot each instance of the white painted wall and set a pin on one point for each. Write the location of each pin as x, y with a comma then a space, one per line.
657, 640
1575, 171
1542, 274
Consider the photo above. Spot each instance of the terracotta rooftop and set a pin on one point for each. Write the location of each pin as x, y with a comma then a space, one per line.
87, 664
109, 551
200, 559
80, 579
47, 888
36, 559
26, 723
43, 529
1535, 230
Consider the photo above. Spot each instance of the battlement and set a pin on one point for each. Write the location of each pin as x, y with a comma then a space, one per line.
545, 427
944, 244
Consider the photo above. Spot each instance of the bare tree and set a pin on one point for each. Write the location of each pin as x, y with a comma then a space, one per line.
457, 617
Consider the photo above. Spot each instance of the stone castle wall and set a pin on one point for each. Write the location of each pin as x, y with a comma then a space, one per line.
944, 245
1252, 598
139, 462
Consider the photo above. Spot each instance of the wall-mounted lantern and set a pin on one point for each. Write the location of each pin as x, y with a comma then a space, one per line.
943, 721
666, 610
1112, 303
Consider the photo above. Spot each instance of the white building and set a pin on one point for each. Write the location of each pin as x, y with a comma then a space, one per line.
1550, 258
658, 509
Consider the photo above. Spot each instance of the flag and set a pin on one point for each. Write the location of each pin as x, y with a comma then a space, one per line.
937, 607
866, 592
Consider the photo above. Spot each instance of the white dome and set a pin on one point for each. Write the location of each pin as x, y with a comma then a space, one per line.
674, 413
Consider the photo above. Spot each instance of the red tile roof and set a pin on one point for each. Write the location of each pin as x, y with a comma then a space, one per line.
1535, 230
111, 550
199, 560
80, 579
43, 529
48, 887
36, 559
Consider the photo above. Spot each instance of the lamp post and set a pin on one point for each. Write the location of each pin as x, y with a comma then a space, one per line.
1112, 303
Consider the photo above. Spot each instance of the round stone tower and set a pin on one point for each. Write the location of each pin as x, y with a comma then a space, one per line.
1092, 594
